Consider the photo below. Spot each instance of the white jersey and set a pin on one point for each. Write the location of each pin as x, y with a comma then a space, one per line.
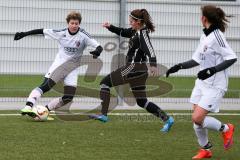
70, 50
70, 45
213, 50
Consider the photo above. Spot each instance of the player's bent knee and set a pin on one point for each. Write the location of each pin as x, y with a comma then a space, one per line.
47, 85
67, 99
197, 119
141, 102
106, 81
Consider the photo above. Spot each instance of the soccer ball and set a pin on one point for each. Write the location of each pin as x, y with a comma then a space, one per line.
41, 113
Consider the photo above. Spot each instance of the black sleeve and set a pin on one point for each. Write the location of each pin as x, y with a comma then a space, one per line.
188, 64
35, 31
124, 32
225, 64
20, 35
147, 47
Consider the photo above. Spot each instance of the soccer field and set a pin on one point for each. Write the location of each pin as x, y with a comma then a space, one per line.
122, 138
21, 86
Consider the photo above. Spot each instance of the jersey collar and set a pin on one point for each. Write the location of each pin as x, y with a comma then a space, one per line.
72, 34
207, 31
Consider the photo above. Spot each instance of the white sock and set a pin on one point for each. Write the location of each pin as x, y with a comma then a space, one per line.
34, 95
202, 135
211, 123
55, 103
226, 128
28, 107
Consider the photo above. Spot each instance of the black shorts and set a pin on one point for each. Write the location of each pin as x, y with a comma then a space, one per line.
135, 74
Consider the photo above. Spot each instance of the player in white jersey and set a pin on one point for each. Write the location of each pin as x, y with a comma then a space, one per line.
214, 56
71, 43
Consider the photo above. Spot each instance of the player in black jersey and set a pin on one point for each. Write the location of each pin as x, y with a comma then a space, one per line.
135, 71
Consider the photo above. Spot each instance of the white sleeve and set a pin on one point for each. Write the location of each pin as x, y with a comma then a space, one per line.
225, 50
52, 34
91, 42
196, 55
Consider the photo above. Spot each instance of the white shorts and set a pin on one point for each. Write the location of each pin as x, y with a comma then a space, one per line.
64, 70
206, 96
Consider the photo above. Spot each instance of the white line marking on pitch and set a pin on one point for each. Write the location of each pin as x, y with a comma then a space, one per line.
174, 114
130, 114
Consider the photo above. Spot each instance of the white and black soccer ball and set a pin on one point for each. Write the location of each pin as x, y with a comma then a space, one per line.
41, 113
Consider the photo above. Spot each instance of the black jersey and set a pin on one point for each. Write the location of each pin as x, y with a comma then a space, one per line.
139, 44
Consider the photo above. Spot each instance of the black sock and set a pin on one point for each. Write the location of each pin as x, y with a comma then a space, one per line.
207, 146
29, 104
47, 108
222, 128
105, 97
154, 109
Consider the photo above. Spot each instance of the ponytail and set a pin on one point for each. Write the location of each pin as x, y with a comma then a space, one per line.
216, 16
144, 17
148, 20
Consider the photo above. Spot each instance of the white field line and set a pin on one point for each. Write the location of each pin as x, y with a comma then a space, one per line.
129, 114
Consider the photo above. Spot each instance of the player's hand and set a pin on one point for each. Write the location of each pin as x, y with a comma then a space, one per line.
19, 35
97, 52
152, 71
173, 69
206, 73
94, 54
106, 24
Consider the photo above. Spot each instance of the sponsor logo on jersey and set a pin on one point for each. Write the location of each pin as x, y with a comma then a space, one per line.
71, 50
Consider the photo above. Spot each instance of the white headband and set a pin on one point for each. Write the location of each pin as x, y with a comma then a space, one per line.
135, 17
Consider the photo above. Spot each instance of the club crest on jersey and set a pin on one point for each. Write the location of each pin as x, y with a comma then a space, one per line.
77, 43
205, 48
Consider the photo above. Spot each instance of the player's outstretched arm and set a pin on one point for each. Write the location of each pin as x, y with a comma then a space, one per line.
185, 65
208, 72
20, 35
124, 32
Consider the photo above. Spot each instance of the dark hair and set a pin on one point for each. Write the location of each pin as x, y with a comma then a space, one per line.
143, 15
74, 15
215, 16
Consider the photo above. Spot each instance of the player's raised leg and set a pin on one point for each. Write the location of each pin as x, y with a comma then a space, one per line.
139, 93
157, 111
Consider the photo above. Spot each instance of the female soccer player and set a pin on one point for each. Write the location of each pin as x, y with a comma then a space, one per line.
214, 56
135, 72
72, 41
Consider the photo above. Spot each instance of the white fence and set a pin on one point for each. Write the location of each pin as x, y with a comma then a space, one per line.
177, 33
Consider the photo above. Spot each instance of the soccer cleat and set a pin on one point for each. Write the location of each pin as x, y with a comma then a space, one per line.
168, 124
228, 137
99, 117
203, 153
27, 110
